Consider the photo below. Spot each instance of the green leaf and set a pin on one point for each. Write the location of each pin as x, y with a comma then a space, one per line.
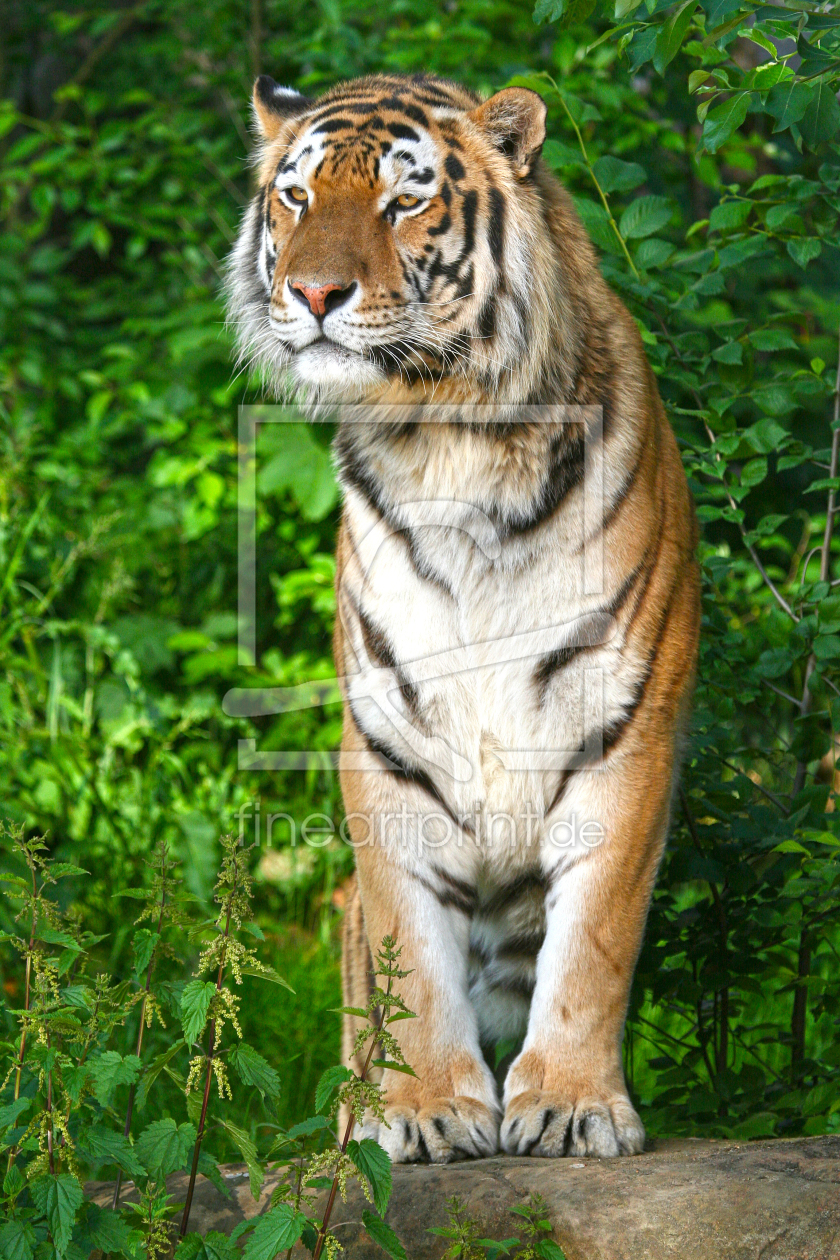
731, 352
253, 1069
166, 1147
787, 102
213, 1246
754, 472
13, 1182
827, 647
822, 117
17, 1240
313, 1124
772, 339
729, 214
723, 120
393, 1066
11, 1111
774, 662
644, 216
111, 1070
375, 1164
804, 250
58, 1198
107, 1230
671, 35
329, 1081
264, 972
245, 1145
653, 253
614, 175
154, 1070
382, 1234
195, 1004
548, 1249
208, 1168
278, 1230
143, 946
101, 1145
790, 846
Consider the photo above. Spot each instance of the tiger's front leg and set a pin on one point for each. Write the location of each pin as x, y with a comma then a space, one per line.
565, 1093
450, 1111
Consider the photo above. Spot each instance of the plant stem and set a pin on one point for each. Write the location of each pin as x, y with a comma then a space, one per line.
348, 1132
50, 1112
803, 959
133, 1088
208, 1080
594, 179
26, 1001
722, 1046
825, 562
800, 1008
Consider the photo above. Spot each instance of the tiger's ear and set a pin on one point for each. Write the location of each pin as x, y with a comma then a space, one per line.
514, 120
274, 105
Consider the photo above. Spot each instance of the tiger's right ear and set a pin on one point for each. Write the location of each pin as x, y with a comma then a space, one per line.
274, 105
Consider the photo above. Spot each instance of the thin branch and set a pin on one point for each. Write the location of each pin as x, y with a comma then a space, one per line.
825, 564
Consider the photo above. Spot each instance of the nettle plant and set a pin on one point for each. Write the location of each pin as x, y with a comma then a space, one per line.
72, 1105
733, 281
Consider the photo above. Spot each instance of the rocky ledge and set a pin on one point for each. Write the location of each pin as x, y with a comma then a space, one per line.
684, 1199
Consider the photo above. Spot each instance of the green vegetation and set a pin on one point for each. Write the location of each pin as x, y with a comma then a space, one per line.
700, 141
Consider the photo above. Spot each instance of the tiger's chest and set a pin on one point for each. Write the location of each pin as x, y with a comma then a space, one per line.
451, 626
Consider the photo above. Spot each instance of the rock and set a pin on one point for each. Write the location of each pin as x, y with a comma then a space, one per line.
684, 1199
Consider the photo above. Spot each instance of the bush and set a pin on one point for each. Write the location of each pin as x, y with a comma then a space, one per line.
700, 141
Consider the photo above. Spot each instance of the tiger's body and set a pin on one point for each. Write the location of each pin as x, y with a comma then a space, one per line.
513, 707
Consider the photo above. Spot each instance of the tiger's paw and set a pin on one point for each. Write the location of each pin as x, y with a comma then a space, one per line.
439, 1132
540, 1123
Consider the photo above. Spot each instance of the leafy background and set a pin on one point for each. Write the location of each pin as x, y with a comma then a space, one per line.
700, 143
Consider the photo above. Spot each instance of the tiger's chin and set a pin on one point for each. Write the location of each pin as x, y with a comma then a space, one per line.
330, 373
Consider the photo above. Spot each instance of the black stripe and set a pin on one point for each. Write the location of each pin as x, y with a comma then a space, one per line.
444, 225
449, 898
401, 770
401, 131
405, 107
624, 490
528, 881
518, 985
529, 943
354, 473
566, 472
595, 626
454, 168
615, 731
332, 124
495, 231
487, 318
380, 650
459, 885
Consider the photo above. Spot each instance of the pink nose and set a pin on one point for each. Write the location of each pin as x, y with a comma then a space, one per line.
315, 295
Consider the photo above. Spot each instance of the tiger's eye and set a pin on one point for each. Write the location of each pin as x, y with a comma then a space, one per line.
406, 200
298, 194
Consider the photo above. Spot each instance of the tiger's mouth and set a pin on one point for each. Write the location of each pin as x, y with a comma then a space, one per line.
332, 370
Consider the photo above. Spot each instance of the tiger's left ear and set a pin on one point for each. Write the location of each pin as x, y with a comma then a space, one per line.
514, 120
274, 105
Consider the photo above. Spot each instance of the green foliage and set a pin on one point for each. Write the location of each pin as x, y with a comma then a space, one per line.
465, 1244
700, 142
67, 1101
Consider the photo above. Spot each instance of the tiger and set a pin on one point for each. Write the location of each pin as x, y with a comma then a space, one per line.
512, 721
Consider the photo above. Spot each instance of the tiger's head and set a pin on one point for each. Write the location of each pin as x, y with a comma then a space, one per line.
401, 240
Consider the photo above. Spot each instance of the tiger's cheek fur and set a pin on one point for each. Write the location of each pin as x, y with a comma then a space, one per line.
482, 678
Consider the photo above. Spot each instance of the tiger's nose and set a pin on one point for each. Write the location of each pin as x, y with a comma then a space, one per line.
321, 298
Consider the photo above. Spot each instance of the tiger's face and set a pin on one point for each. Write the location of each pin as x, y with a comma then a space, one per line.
392, 237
